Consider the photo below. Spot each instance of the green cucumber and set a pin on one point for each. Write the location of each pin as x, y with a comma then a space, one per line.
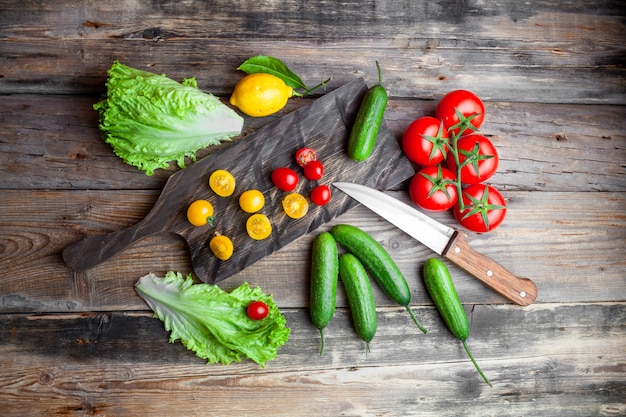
378, 262
324, 276
360, 297
441, 289
368, 120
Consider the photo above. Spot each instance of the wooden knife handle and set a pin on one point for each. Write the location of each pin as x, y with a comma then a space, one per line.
522, 291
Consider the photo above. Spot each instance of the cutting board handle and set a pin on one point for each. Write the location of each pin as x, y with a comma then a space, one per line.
87, 253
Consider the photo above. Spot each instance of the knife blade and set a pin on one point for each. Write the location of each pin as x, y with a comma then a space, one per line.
445, 241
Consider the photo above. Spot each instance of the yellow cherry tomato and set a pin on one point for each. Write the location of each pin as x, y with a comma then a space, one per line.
260, 94
258, 226
200, 212
222, 183
295, 205
251, 201
221, 246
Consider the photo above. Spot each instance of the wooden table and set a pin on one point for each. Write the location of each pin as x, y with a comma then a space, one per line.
553, 78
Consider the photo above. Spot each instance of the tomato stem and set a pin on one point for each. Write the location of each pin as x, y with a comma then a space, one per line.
455, 153
456, 132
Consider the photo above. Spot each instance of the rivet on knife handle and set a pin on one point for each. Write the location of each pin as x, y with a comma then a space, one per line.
522, 291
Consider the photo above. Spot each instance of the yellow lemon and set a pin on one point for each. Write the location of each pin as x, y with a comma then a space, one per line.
260, 94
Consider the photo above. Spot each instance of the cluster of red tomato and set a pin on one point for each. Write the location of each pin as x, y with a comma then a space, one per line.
287, 179
455, 161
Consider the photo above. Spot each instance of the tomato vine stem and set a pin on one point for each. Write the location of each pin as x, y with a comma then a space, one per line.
455, 133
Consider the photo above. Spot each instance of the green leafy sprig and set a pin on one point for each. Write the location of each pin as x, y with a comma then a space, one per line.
274, 66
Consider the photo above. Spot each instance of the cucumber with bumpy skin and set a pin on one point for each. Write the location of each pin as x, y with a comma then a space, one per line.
324, 277
360, 297
441, 289
378, 262
368, 120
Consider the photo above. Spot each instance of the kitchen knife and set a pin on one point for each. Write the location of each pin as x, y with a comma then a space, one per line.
445, 241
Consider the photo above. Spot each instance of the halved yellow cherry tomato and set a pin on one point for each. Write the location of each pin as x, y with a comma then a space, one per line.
258, 226
222, 183
200, 212
221, 246
295, 205
251, 201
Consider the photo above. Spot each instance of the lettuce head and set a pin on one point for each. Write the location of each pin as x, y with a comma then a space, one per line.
151, 120
214, 323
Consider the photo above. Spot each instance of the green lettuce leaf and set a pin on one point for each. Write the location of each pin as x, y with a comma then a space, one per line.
214, 323
151, 120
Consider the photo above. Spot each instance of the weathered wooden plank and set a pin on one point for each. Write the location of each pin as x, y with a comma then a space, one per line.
52, 142
324, 20
540, 358
80, 68
549, 53
87, 344
571, 258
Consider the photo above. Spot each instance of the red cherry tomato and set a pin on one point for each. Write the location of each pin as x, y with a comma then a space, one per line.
468, 103
320, 195
285, 178
478, 158
314, 170
485, 208
424, 141
433, 189
305, 155
258, 310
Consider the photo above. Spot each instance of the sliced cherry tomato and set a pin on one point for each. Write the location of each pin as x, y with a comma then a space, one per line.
424, 141
222, 183
251, 201
320, 195
478, 158
485, 208
433, 189
258, 226
295, 205
258, 310
314, 170
468, 104
305, 155
200, 212
221, 246
285, 178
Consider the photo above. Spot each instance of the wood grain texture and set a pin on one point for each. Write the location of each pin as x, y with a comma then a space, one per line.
549, 52
571, 258
520, 290
553, 78
121, 364
323, 125
553, 147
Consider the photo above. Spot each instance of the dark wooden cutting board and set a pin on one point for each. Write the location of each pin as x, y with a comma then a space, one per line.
323, 125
